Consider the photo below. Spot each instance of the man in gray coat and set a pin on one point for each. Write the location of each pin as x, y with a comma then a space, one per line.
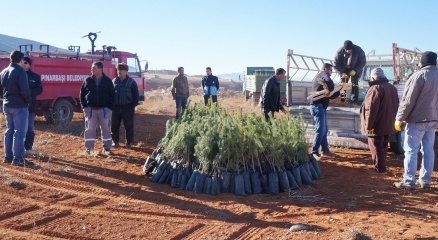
419, 109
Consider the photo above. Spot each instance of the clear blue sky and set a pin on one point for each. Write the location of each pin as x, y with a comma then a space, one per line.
227, 35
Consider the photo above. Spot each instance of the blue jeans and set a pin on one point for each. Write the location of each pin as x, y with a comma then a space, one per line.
30, 135
419, 135
16, 128
321, 128
181, 104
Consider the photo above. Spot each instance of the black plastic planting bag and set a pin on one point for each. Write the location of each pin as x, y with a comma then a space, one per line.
179, 177
160, 170
316, 166
199, 183
184, 180
215, 186
149, 165
207, 185
169, 177
247, 182
274, 187
312, 171
239, 185
232, 183
165, 174
284, 181
256, 183
174, 181
297, 174
264, 182
305, 177
225, 181
191, 183
292, 183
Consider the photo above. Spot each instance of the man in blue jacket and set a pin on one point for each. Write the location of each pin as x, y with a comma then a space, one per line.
15, 92
35, 90
210, 85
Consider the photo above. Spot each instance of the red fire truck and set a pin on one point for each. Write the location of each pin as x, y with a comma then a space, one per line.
63, 73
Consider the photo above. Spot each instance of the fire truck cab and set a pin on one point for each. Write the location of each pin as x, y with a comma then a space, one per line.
62, 75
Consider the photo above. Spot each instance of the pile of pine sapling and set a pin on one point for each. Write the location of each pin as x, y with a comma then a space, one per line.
210, 151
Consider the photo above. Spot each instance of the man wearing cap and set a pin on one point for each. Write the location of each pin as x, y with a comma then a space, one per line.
14, 89
377, 115
97, 99
35, 90
419, 109
349, 62
126, 98
180, 91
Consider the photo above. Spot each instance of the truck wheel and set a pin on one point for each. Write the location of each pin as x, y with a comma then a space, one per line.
397, 145
62, 111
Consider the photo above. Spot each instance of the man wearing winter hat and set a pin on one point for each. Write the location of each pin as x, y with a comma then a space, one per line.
126, 98
350, 60
377, 115
35, 90
419, 109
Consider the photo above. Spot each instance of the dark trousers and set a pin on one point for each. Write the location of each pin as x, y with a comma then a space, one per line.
379, 149
181, 105
268, 114
213, 98
125, 115
355, 88
30, 135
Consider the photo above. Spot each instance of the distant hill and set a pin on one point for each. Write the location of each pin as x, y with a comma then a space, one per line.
232, 76
10, 43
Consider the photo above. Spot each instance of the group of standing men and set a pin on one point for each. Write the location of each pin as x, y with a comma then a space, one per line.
106, 104
381, 115
19, 87
180, 89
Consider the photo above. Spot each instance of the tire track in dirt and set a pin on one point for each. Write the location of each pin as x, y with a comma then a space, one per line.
6, 233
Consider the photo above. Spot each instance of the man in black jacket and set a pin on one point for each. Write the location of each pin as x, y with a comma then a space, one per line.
125, 100
35, 90
97, 99
15, 92
349, 62
270, 100
318, 110
210, 85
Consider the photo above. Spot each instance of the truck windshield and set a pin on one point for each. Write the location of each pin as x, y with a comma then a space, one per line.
134, 66
387, 69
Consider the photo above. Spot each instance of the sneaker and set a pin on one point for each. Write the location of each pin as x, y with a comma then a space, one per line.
107, 152
29, 152
403, 185
88, 151
316, 156
115, 144
424, 185
8, 161
328, 154
23, 163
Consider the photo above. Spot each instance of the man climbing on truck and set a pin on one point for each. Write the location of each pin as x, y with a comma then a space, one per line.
349, 62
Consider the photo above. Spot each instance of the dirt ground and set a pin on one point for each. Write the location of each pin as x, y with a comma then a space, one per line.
71, 196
